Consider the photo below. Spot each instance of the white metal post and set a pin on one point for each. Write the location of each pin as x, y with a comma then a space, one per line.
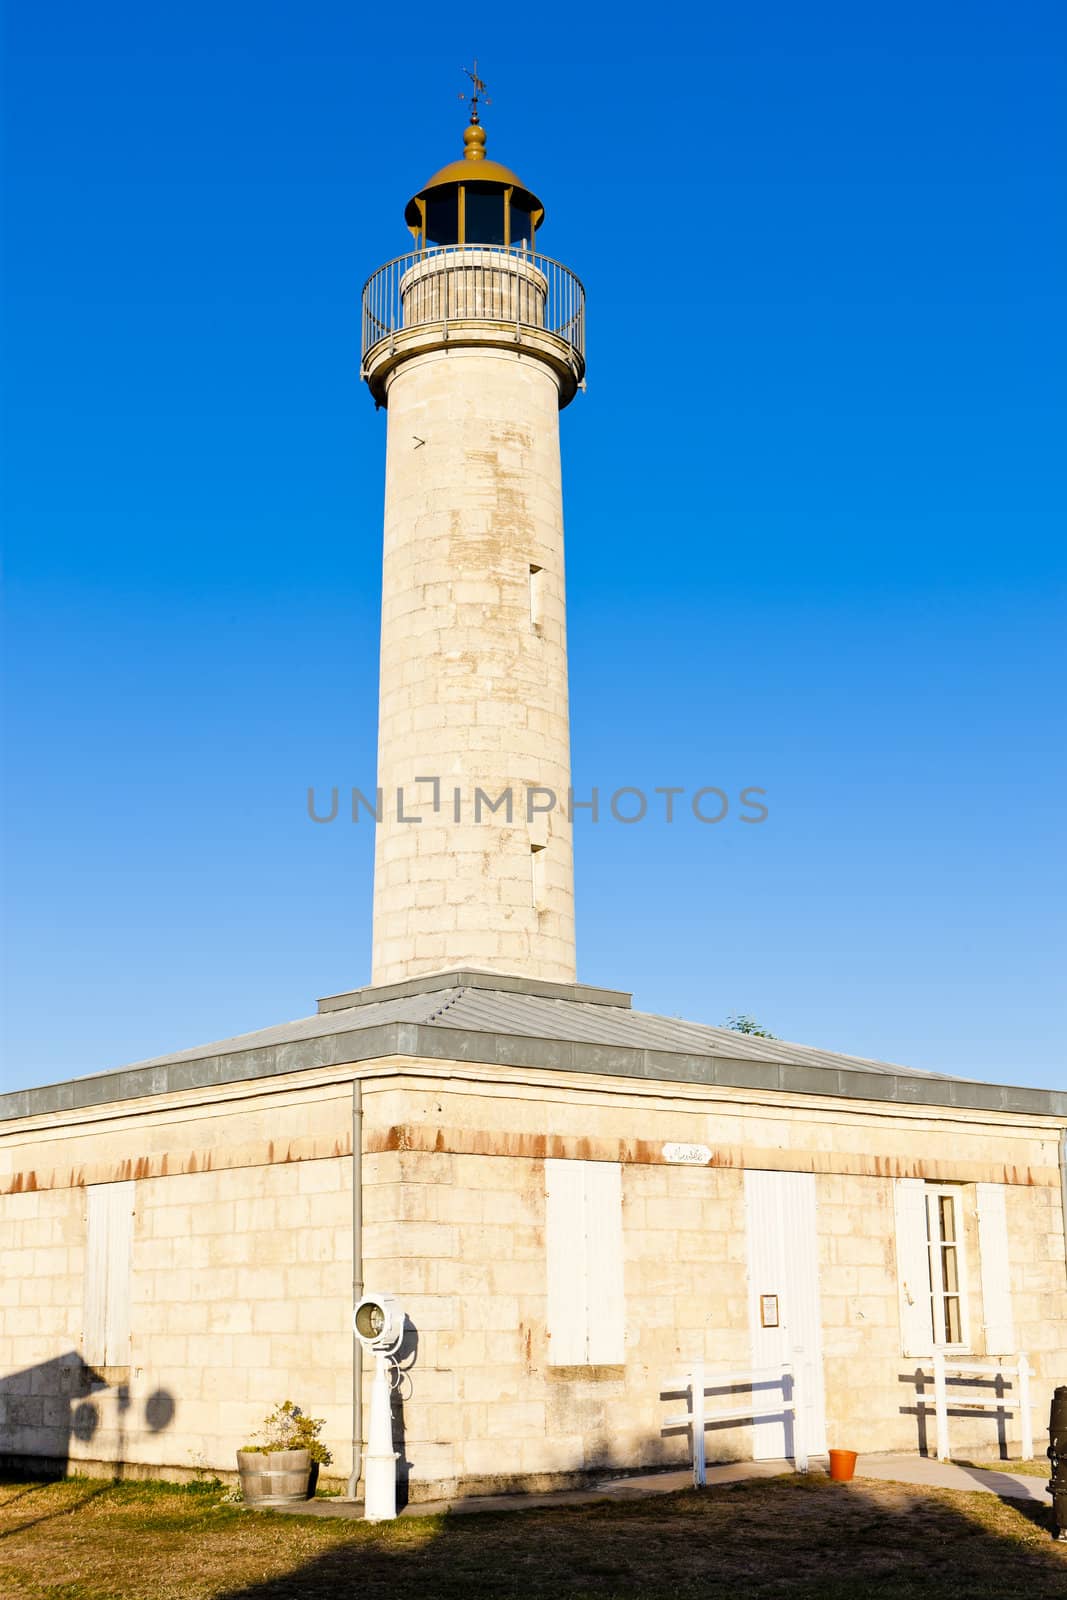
941, 1406
696, 1411
380, 1474
1025, 1417
800, 1389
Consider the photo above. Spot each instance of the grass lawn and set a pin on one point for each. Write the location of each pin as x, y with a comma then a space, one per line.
1038, 1467
82, 1539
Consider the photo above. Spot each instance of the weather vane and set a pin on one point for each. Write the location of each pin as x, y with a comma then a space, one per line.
479, 90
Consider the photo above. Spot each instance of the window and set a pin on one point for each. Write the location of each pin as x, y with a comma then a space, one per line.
474, 213
108, 1253
944, 1241
442, 216
537, 598
583, 1240
537, 876
931, 1266
484, 214
521, 224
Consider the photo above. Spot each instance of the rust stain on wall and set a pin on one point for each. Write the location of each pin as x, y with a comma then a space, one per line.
647, 1152
174, 1164
517, 1145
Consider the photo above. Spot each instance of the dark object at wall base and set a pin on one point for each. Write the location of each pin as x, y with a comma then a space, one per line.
1057, 1453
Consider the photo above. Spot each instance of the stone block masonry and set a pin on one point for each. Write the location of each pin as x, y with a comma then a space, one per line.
473, 689
240, 1265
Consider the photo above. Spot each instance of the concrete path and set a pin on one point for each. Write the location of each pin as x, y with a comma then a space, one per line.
931, 1474
921, 1471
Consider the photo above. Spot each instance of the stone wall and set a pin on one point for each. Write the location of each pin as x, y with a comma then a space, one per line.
241, 1265
871, 1387
240, 1286
461, 1239
240, 1281
473, 688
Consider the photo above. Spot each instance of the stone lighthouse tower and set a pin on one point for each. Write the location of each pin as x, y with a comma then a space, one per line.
473, 343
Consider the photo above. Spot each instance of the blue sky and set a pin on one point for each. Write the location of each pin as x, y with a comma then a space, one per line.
815, 501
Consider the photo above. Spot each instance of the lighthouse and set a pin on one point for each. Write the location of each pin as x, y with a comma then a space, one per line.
539, 1201
473, 343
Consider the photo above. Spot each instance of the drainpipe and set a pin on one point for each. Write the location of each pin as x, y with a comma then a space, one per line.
1063, 1188
357, 1284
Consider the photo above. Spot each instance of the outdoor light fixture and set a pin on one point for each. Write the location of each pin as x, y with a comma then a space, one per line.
378, 1321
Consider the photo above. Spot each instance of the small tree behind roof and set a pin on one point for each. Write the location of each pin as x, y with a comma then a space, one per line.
740, 1023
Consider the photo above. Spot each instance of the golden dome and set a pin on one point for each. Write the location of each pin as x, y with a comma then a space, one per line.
463, 171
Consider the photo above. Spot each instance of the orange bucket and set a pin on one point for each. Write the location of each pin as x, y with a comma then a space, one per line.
842, 1465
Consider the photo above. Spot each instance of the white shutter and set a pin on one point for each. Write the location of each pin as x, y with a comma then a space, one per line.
583, 1246
94, 1326
565, 1251
605, 1312
996, 1273
913, 1267
108, 1254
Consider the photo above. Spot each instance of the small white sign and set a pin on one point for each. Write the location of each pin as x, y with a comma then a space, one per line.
687, 1155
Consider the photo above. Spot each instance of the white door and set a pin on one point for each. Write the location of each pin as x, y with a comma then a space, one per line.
783, 1286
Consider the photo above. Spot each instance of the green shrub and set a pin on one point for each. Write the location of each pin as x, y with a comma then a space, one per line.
289, 1428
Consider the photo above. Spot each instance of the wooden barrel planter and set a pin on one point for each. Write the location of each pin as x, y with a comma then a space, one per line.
275, 1477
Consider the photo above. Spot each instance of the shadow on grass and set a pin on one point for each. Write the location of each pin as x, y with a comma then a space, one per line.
806, 1539
796, 1537
49, 1516
45, 1406
21, 1489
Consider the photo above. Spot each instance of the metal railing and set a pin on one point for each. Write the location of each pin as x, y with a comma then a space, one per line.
474, 283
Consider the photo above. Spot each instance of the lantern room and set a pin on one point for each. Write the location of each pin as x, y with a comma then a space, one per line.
474, 201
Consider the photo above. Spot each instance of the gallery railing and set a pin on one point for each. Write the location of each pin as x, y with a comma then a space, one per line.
474, 283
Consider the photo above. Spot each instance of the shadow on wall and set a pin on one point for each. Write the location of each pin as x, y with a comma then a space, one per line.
762, 1394
44, 1407
787, 1535
987, 1389
403, 1362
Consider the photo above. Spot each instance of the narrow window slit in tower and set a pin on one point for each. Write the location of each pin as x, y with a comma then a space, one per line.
537, 876
537, 598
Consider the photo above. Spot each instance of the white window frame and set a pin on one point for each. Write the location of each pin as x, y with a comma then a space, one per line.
934, 1193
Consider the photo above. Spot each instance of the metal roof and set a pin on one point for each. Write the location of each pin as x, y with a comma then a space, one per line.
461, 1016
538, 1018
